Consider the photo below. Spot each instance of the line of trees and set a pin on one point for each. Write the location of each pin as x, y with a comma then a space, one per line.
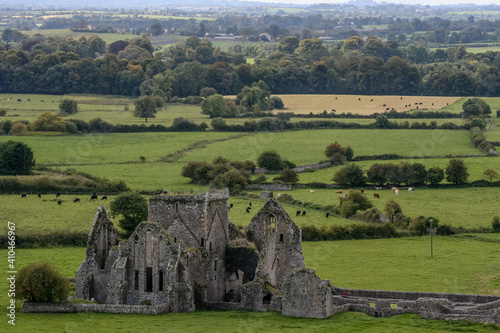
405, 173
61, 66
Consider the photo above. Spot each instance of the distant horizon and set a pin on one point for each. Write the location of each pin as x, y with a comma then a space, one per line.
405, 2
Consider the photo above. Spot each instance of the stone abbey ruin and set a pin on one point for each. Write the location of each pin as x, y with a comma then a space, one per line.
190, 256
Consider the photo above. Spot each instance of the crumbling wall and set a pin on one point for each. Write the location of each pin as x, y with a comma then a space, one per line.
305, 295
92, 276
278, 240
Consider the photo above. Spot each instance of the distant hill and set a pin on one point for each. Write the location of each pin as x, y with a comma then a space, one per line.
70, 4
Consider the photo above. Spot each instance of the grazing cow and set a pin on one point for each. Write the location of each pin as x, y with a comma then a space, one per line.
333, 110
59, 202
19, 100
39, 195
359, 99
371, 100
362, 190
76, 200
29, 100
338, 192
343, 196
248, 210
396, 192
58, 195
298, 213
250, 204
104, 197
376, 195
304, 213
410, 189
327, 214
416, 103
93, 197
420, 103
335, 97
23, 195
400, 97
42, 101
387, 109
311, 191
231, 205
432, 104
395, 189
384, 105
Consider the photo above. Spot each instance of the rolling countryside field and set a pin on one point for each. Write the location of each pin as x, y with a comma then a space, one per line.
460, 265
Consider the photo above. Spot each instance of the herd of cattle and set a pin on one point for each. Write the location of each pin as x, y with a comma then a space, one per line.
59, 201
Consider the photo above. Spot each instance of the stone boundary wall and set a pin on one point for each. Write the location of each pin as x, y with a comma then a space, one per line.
302, 168
413, 295
106, 308
270, 187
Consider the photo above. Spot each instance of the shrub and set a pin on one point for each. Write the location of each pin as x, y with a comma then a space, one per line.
3, 112
456, 172
18, 129
49, 122
68, 106
270, 160
41, 283
289, 176
495, 224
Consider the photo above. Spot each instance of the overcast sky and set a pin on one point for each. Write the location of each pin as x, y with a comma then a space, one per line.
408, 2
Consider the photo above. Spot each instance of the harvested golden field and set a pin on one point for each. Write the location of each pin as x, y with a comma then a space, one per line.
361, 104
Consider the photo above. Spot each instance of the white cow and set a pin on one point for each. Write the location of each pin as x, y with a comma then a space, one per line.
410, 189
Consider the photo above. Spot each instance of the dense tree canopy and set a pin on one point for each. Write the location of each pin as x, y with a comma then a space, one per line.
16, 158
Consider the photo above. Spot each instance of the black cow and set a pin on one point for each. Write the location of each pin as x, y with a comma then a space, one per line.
304, 213
39, 195
76, 200
93, 197
298, 213
250, 204
23, 195
327, 214
104, 197
231, 205
248, 210
58, 195
59, 202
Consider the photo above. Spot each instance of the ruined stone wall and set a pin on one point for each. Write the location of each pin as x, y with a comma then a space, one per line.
412, 295
278, 240
106, 308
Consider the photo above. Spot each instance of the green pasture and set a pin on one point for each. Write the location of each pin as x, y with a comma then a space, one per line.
34, 215
475, 166
459, 207
106, 148
107, 37
459, 265
304, 147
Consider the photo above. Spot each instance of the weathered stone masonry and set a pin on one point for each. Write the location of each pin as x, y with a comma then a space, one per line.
188, 255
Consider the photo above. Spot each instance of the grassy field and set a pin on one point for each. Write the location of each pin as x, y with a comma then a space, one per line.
105, 148
236, 321
107, 37
34, 215
304, 147
304, 104
459, 207
475, 166
458, 266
